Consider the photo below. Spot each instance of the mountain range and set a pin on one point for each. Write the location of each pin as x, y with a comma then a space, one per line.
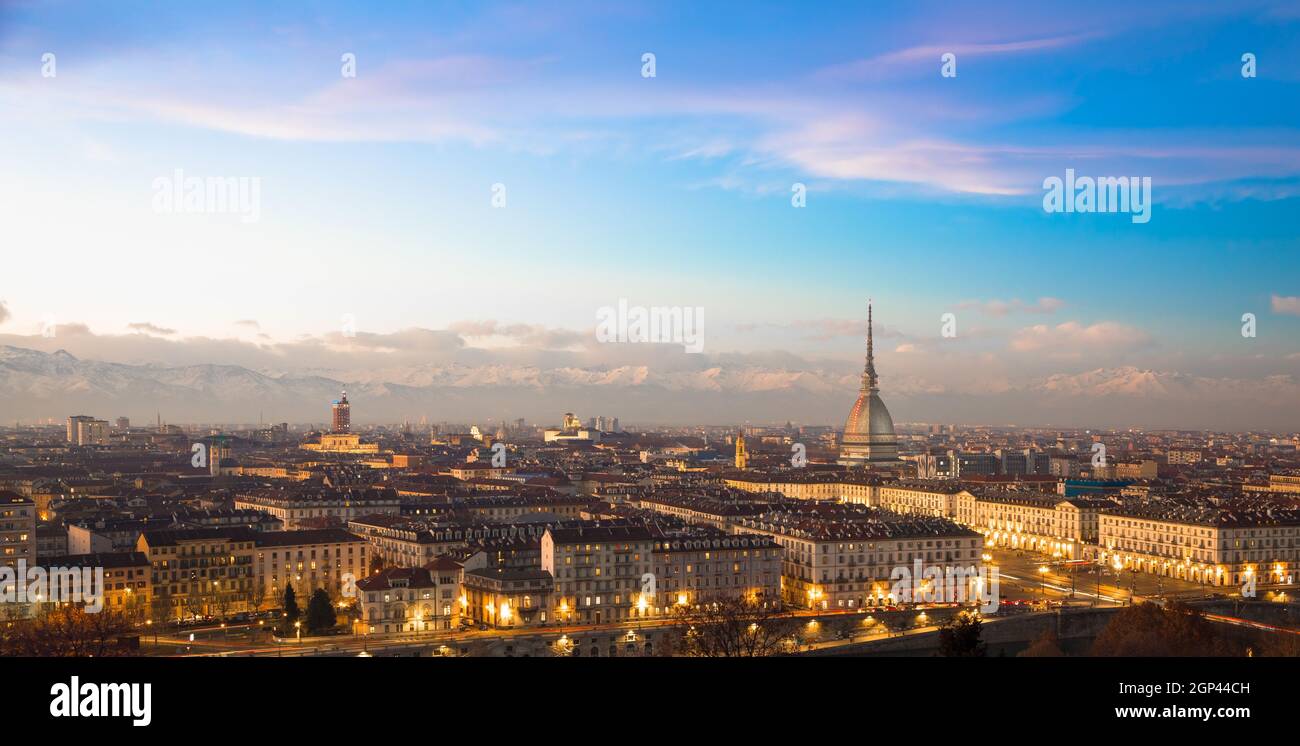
36, 385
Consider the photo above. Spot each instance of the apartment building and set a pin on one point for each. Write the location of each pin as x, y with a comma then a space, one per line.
1210, 545
918, 498
696, 566
842, 561
597, 570
17, 529
510, 508
1038, 522
850, 488
297, 507
200, 571
412, 599
126, 579
114, 534
328, 558
701, 510
506, 597
1143, 469
1185, 456
413, 543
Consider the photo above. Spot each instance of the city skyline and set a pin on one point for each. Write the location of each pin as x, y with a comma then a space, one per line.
376, 257
633, 334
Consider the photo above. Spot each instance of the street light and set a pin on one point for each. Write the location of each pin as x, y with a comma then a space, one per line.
298, 626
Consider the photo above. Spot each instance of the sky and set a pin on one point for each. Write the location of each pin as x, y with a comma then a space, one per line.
924, 192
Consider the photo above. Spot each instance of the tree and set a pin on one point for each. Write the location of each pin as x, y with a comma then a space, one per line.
1046, 646
376, 564
221, 603
160, 609
960, 637
733, 627
67, 631
195, 602
257, 597
320, 612
136, 608
291, 610
1151, 630
1278, 645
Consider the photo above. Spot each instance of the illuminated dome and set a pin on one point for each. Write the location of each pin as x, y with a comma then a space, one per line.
869, 432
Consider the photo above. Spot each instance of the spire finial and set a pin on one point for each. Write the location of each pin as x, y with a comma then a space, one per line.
869, 378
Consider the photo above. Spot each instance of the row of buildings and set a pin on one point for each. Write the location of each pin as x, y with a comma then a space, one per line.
1214, 541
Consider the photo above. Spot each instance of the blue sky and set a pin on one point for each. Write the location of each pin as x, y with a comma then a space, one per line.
924, 192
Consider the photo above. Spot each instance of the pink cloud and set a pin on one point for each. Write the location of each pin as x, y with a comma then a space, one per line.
1288, 304
995, 307
1072, 336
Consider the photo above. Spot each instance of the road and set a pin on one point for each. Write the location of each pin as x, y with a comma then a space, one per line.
1022, 579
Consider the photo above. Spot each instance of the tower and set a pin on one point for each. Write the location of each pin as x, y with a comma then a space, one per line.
342, 412
869, 432
742, 455
218, 449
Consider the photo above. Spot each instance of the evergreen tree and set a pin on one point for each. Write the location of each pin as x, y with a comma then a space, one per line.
320, 612
961, 637
291, 610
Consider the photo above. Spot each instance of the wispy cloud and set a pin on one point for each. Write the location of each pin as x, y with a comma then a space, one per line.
1074, 338
884, 64
147, 328
995, 307
524, 334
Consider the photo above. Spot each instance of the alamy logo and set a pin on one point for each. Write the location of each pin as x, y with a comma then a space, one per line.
648, 585
1248, 585
91, 700
348, 585
1099, 455
178, 193
73, 585
800, 457
940, 584
656, 324
1102, 194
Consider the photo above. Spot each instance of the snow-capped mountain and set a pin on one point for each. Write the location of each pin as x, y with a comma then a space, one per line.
36, 384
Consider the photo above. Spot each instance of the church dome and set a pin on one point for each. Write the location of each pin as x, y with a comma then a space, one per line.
869, 431
869, 416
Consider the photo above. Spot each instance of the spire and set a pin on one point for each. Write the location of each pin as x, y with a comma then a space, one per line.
870, 382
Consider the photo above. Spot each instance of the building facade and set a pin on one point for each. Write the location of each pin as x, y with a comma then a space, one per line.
597, 572
1207, 545
17, 529
411, 599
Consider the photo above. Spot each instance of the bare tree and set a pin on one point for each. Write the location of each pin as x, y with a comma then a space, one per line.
67, 631
194, 602
257, 597
160, 609
221, 603
733, 627
135, 608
